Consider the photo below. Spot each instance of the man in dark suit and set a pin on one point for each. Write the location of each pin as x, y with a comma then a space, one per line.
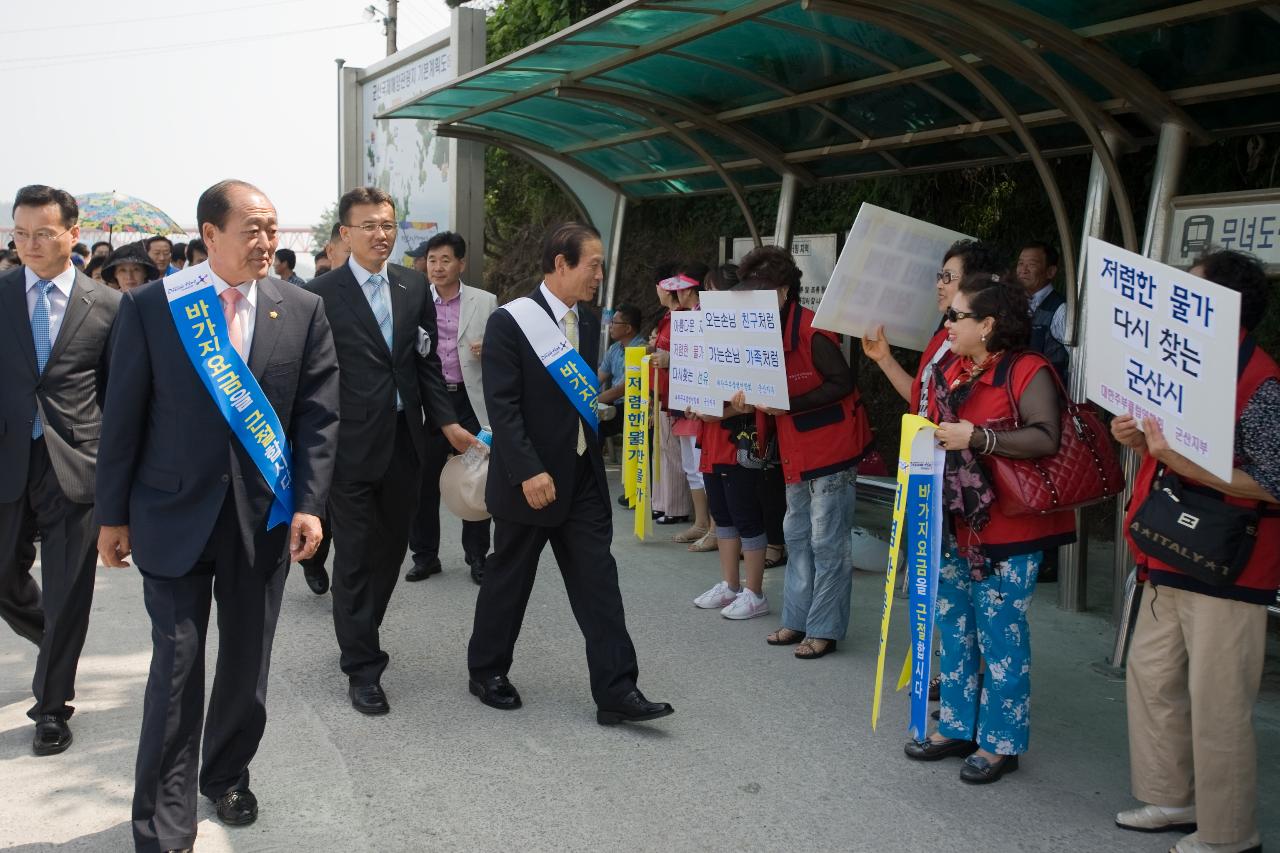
384, 329
547, 483
183, 491
53, 359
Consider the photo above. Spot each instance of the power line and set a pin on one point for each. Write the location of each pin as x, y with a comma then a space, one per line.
148, 19
8, 64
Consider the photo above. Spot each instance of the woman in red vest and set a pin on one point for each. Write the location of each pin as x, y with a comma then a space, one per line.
671, 494
965, 257
820, 440
990, 559
1196, 660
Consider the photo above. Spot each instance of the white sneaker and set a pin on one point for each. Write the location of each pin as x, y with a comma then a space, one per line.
1151, 818
1192, 844
716, 597
747, 605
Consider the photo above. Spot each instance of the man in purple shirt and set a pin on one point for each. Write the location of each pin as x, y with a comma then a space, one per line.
461, 315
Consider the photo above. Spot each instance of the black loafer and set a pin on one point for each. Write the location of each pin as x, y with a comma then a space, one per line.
477, 569
632, 708
369, 699
53, 735
423, 570
496, 692
237, 808
979, 771
317, 579
929, 750
672, 519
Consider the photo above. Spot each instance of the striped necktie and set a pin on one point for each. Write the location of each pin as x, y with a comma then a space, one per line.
571, 332
377, 296
44, 343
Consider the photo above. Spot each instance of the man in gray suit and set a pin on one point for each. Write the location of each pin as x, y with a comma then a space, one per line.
56, 323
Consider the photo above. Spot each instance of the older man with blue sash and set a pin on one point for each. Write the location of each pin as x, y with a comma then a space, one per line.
547, 483
214, 467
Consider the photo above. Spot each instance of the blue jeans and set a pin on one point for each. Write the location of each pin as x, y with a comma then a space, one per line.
986, 619
819, 556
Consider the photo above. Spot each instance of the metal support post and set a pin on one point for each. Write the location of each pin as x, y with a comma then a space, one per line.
1073, 559
782, 227
338, 102
1170, 157
389, 24
615, 252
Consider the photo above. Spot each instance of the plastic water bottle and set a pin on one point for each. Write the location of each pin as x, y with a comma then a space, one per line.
478, 455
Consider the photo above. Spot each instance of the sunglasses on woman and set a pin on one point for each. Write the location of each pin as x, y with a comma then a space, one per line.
952, 315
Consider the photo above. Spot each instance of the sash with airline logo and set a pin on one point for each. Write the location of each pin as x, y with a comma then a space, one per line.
197, 315
565, 364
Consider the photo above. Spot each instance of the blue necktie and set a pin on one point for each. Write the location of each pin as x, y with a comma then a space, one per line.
376, 293
44, 345
377, 296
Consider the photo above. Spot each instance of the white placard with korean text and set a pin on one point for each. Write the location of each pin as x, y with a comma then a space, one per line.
887, 274
1164, 344
732, 343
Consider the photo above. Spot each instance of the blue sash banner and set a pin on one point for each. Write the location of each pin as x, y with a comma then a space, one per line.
575, 379
917, 523
197, 315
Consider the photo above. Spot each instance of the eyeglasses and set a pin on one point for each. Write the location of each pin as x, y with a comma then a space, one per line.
617, 321
44, 235
947, 276
387, 228
954, 316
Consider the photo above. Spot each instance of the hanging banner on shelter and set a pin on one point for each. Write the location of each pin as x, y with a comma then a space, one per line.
917, 521
887, 274
814, 254
742, 336
644, 460
1164, 344
634, 410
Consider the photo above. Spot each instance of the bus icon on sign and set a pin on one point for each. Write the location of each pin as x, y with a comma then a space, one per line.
1197, 234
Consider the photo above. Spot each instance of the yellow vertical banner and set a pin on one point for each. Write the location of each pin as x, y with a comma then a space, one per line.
636, 403
644, 459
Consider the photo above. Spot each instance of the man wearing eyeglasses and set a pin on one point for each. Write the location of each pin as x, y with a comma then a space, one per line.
50, 419
392, 393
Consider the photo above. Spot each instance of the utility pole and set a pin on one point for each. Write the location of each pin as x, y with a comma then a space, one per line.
390, 25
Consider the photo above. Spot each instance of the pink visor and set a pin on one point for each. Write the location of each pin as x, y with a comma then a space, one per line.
678, 282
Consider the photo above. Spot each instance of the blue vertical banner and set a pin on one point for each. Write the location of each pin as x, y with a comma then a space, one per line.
924, 549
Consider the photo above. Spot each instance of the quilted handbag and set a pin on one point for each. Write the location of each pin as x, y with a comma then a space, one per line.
1084, 471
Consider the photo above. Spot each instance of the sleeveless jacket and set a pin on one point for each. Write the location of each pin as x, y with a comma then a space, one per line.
1043, 341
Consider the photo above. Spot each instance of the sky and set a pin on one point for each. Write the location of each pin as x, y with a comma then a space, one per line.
160, 100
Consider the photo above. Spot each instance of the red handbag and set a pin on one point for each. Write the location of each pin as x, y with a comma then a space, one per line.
1084, 471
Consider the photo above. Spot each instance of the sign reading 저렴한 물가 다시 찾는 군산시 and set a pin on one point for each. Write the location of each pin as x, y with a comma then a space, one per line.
887, 275
731, 343
1163, 343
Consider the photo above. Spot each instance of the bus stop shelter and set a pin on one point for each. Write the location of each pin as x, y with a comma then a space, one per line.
656, 98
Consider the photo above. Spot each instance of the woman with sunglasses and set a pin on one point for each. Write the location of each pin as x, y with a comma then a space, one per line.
989, 559
965, 257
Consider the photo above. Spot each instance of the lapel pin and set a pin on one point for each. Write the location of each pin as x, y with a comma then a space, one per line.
273, 315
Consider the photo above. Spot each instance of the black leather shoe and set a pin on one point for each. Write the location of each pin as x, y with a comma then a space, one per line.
369, 699
672, 519
632, 708
422, 571
929, 750
53, 735
496, 692
477, 569
979, 771
237, 808
317, 579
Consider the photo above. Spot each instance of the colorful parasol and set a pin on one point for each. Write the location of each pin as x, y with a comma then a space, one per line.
115, 213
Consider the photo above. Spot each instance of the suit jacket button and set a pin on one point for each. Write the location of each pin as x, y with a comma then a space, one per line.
226, 478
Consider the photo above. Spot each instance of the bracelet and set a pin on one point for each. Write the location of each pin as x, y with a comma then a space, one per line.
988, 443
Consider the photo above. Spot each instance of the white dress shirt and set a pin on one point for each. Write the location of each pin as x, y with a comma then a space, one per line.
558, 308
59, 296
246, 308
363, 275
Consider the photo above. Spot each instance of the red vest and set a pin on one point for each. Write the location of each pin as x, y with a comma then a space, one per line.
935, 343
1004, 535
718, 445
821, 441
1262, 572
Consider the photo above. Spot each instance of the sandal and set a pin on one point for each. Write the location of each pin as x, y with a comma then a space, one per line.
779, 560
708, 542
784, 637
693, 534
808, 648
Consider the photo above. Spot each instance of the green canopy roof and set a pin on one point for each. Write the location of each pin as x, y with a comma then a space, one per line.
694, 96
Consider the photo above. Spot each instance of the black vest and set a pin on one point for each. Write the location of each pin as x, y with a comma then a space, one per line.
1042, 341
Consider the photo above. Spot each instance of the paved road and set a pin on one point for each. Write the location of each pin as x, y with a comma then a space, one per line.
764, 752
